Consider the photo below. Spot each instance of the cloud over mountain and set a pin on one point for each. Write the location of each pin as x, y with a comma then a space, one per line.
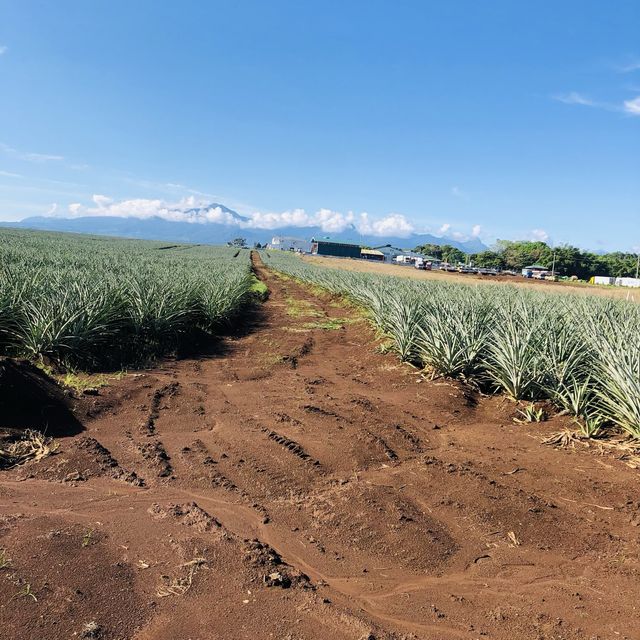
192, 211
189, 220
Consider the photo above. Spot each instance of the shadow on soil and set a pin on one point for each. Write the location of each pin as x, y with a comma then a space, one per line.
204, 345
29, 399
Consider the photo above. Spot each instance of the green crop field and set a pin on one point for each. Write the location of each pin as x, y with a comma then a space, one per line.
580, 353
90, 302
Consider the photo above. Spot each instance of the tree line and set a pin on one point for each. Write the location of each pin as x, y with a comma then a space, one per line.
515, 255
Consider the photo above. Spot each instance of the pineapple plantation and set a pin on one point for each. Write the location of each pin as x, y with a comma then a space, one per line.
300, 480
87, 302
580, 353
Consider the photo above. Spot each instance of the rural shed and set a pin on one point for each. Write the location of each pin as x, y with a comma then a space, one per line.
388, 251
628, 282
372, 254
288, 243
408, 257
337, 249
533, 269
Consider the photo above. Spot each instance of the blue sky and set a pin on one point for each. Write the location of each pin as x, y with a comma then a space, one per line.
501, 119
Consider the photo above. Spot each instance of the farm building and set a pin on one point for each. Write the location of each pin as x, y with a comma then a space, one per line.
628, 282
372, 254
337, 249
534, 271
287, 243
616, 282
436, 262
389, 252
408, 257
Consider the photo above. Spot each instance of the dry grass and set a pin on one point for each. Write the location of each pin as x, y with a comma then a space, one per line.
564, 438
25, 592
32, 446
626, 450
513, 539
180, 586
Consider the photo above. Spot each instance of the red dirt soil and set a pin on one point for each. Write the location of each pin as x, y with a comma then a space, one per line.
300, 485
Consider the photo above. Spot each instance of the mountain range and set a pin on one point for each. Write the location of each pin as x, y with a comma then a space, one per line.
192, 227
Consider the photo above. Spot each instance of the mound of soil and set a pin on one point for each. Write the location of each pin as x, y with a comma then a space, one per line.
29, 399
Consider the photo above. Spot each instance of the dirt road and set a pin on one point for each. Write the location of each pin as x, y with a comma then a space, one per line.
297, 484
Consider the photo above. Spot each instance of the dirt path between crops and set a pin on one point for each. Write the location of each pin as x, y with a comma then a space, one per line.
300, 485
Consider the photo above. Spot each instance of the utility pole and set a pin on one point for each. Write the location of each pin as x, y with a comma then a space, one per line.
553, 267
637, 266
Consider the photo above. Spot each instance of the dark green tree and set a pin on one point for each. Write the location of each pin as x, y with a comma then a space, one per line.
488, 259
521, 254
433, 250
565, 259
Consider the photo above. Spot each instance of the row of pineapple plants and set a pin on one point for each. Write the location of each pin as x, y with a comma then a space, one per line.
581, 353
90, 303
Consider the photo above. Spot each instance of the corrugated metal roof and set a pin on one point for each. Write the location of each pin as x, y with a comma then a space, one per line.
389, 248
372, 252
336, 242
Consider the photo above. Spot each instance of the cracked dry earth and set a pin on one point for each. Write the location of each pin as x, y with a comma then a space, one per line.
300, 485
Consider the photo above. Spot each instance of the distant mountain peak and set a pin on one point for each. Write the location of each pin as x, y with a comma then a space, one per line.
215, 223
198, 211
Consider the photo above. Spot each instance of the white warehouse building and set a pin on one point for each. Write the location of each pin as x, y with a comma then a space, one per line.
288, 243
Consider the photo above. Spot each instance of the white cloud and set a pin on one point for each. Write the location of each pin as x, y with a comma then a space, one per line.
29, 156
9, 174
101, 201
41, 157
218, 215
444, 228
633, 106
539, 235
192, 211
331, 221
457, 192
52, 209
575, 98
395, 225
3, 49
630, 67
475, 232
297, 217
136, 208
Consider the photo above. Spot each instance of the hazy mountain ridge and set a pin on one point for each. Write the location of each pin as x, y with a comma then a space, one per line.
199, 231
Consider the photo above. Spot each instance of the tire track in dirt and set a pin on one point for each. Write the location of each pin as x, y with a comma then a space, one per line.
200, 461
290, 445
